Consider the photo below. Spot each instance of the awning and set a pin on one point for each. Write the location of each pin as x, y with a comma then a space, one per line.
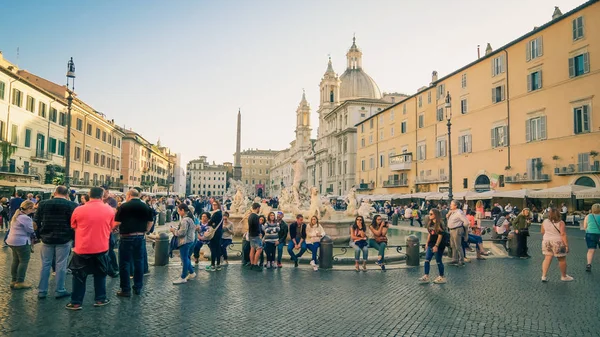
590, 193
560, 192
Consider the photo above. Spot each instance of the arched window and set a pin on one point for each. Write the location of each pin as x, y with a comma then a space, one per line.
585, 181
482, 183
331, 96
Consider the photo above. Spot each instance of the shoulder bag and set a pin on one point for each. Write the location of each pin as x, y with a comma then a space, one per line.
210, 232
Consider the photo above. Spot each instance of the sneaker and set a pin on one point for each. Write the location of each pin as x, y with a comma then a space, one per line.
72, 306
258, 268
544, 279
453, 263
467, 259
42, 295
296, 263
424, 279
279, 265
315, 268
121, 293
60, 295
180, 281
12, 284
439, 280
53, 273
22, 285
210, 268
588, 268
191, 276
101, 303
312, 263
567, 278
218, 268
383, 267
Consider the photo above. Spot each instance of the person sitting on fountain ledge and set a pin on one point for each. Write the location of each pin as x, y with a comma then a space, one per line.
297, 239
314, 233
254, 236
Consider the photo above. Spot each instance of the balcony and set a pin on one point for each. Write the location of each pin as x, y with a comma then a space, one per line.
401, 162
365, 187
527, 179
43, 156
431, 180
578, 169
395, 183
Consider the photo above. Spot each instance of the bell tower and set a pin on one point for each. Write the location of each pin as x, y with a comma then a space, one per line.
330, 93
303, 122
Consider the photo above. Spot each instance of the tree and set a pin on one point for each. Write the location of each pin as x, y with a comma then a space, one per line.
7, 149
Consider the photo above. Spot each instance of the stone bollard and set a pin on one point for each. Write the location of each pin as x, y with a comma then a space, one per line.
169, 216
512, 244
161, 218
161, 250
326, 253
412, 251
395, 219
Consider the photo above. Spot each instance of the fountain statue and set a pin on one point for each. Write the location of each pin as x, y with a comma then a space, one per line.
240, 202
366, 209
351, 203
327, 211
315, 203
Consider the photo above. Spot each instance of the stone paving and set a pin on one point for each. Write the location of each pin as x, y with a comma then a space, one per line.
497, 297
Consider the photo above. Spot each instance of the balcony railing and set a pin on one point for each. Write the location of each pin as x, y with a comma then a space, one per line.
395, 183
42, 155
525, 178
401, 162
431, 180
365, 187
578, 169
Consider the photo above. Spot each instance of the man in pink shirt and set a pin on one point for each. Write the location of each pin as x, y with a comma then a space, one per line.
92, 223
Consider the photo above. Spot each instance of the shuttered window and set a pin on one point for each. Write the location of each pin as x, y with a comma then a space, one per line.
499, 136
579, 65
578, 28
534, 49
581, 116
464, 144
535, 129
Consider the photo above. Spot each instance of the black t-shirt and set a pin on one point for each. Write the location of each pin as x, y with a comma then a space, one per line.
433, 236
134, 216
254, 227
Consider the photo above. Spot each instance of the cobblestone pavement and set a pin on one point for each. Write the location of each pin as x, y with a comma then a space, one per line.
497, 297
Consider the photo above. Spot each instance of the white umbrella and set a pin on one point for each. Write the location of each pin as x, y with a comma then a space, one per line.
560, 192
590, 193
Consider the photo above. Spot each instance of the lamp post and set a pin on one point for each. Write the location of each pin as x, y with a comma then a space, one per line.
70, 90
449, 118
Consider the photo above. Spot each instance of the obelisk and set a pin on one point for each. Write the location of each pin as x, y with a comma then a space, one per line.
237, 166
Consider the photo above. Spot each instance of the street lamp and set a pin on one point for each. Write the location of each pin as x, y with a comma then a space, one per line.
70, 90
448, 106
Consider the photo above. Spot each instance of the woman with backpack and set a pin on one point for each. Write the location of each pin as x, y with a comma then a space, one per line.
185, 233
437, 240
555, 244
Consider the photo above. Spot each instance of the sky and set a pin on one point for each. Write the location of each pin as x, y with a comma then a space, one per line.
179, 70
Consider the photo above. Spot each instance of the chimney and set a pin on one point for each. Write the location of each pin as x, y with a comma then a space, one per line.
488, 49
557, 13
478, 52
434, 76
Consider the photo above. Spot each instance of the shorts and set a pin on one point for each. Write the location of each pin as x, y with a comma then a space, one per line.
554, 248
256, 242
592, 240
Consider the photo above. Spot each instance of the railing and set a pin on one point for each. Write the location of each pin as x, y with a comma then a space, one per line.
42, 155
401, 162
395, 183
578, 169
365, 187
525, 178
431, 180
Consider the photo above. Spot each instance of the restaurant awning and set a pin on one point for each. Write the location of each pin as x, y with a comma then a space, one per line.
560, 192
590, 193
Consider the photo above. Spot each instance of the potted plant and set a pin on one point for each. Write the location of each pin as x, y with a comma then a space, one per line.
556, 169
7, 149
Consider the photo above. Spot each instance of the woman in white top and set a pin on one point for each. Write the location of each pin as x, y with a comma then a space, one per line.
314, 233
554, 243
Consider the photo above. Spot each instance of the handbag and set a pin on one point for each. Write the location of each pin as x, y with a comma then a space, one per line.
381, 239
210, 232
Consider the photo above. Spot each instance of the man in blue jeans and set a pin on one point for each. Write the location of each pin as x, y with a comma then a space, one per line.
53, 220
283, 233
134, 219
297, 239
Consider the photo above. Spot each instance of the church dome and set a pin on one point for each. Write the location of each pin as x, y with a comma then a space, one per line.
357, 84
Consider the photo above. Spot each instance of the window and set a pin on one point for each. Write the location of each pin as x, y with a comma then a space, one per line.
381, 135
17, 98
53, 115
404, 109
497, 65
381, 160
498, 94
88, 155
42, 110
30, 104
583, 161
104, 136
463, 106
579, 65
439, 116
381, 119
403, 127
77, 153
440, 148
581, 119
79, 124
14, 134
371, 163
578, 28
2, 130
421, 151
362, 165
63, 119
89, 129
421, 120
370, 139
499, 136
52, 148
27, 137
464, 144
420, 101
534, 81
534, 49
96, 158
371, 123
102, 160
535, 129
463, 81
429, 97
2, 89
441, 90
98, 133
109, 139
392, 115
392, 132
61, 148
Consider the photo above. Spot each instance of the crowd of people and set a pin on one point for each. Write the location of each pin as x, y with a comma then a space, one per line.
80, 238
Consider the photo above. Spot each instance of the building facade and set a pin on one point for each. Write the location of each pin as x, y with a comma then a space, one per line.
256, 165
205, 179
511, 127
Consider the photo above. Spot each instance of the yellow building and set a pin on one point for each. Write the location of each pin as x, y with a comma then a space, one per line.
512, 128
255, 170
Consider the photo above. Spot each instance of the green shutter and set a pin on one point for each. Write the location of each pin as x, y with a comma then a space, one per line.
543, 127
586, 63
528, 51
505, 136
540, 48
572, 67
493, 138
528, 130
27, 138
585, 119
2, 88
529, 82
